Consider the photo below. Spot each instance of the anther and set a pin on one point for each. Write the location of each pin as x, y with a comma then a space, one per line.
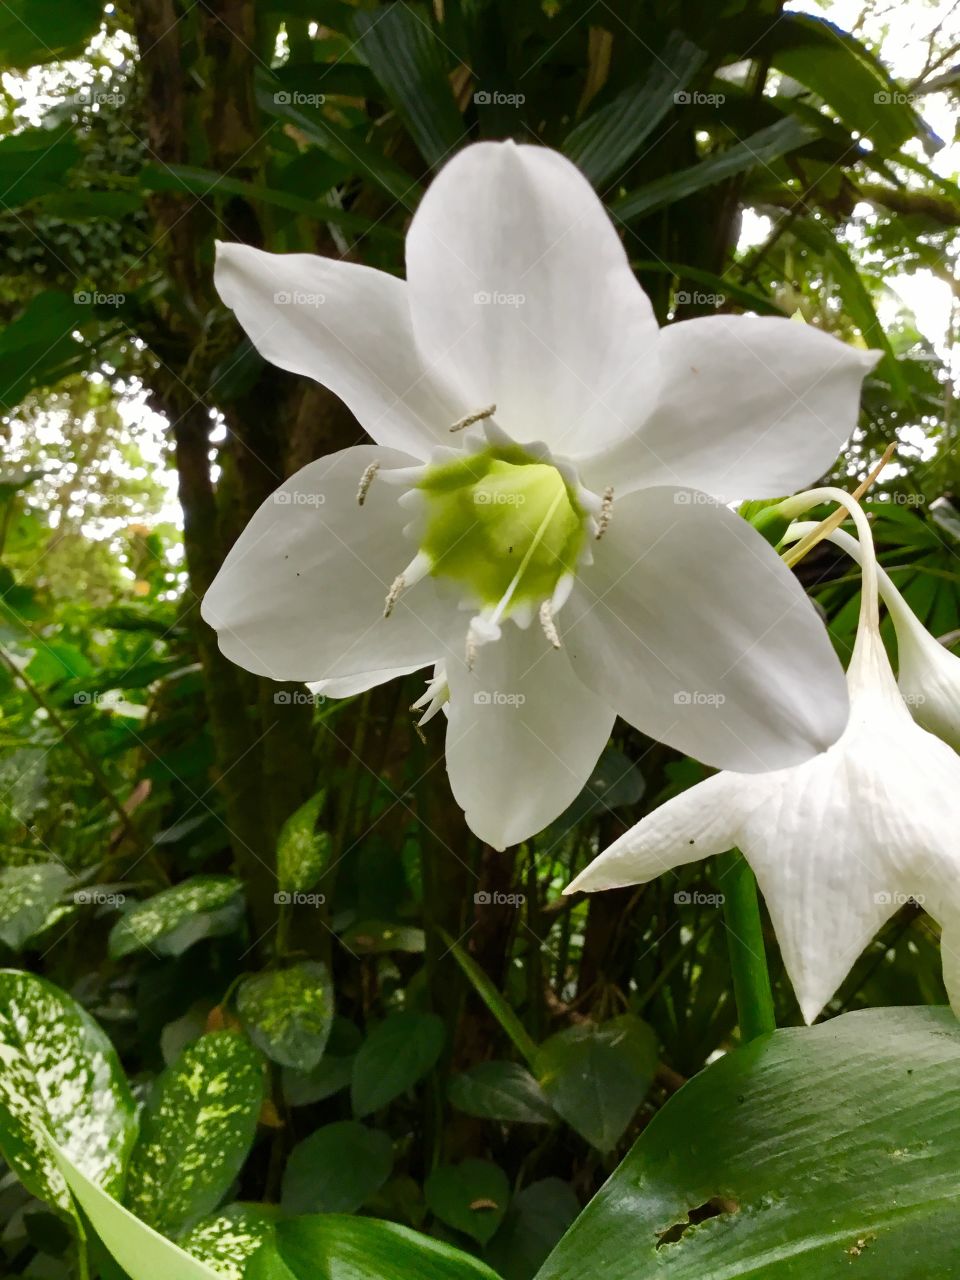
548, 625
393, 595
366, 480
606, 512
461, 424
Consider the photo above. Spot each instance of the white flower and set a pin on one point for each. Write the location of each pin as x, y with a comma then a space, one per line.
837, 844
513, 383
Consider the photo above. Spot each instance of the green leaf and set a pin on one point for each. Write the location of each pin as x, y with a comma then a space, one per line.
596, 1076
302, 852
196, 1132
27, 896
59, 1074
89, 206
332, 1073
494, 1001
227, 1240
337, 1169
399, 44
396, 1054
34, 162
608, 139
38, 347
289, 1012
471, 1196
143, 1253
811, 1154
760, 148
172, 920
380, 937
536, 1219
842, 71
331, 1247
501, 1091
33, 31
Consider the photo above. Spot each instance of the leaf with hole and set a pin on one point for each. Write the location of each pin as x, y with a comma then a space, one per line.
810, 1154
396, 1054
289, 1012
59, 1075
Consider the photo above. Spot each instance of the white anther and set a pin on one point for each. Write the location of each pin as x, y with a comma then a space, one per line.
393, 595
548, 625
469, 419
366, 480
606, 512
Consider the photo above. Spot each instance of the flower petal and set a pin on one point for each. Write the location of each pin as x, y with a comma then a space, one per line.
522, 738
519, 279
347, 686
348, 327
748, 407
301, 594
698, 823
690, 625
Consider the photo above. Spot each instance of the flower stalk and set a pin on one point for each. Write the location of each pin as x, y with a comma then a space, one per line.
748, 955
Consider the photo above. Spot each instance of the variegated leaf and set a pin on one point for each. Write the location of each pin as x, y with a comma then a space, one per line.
175, 918
288, 1012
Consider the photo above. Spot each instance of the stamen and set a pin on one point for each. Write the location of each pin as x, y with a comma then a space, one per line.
393, 595
471, 650
461, 424
366, 480
606, 512
548, 625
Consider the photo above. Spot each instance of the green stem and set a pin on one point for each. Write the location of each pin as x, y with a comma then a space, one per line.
748, 957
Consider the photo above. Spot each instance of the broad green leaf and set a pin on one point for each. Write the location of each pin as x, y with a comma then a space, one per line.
471, 1196
760, 148
336, 1169
302, 851
195, 1132
27, 896
143, 1253
289, 1012
59, 1075
332, 1247
842, 71
175, 918
536, 1219
38, 347
811, 1154
34, 31
34, 162
596, 1076
501, 1091
332, 1073
399, 44
227, 1240
609, 138
494, 1001
396, 1054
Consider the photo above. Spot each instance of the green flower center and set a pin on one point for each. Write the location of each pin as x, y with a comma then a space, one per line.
505, 525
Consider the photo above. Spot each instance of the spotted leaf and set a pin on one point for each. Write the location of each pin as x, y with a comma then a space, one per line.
289, 1012
172, 920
